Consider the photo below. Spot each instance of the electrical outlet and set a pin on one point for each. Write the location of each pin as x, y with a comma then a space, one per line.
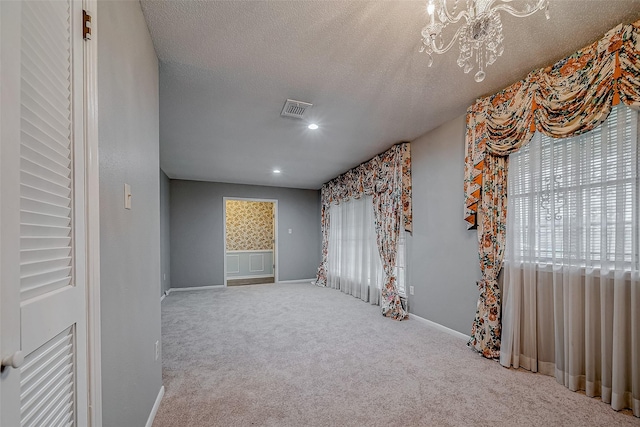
411, 290
157, 350
164, 276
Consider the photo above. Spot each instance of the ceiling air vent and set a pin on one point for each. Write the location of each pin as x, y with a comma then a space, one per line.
293, 108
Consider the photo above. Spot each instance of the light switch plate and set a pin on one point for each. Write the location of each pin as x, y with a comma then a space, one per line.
411, 290
127, 196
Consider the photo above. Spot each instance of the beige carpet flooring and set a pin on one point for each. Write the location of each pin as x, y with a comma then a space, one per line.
300, 355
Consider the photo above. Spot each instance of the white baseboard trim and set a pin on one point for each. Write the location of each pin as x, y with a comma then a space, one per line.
257, 276
197, 288
154, 410
440, 327
297, 280
164, 294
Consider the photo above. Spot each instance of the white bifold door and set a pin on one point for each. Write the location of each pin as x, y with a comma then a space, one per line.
43, 307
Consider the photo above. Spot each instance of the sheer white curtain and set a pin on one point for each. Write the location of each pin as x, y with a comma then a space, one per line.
353, 259
571, 280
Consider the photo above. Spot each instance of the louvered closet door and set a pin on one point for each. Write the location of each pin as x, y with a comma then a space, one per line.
43, 294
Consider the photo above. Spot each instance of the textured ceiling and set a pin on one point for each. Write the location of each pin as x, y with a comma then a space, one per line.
226, 68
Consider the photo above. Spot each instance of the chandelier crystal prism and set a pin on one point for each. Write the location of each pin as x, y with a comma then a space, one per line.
480, 34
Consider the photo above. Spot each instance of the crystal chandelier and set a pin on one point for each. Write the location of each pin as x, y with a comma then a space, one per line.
479, 36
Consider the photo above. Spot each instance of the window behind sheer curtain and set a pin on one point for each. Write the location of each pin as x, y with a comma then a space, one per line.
572, 279
353, 258
574, 201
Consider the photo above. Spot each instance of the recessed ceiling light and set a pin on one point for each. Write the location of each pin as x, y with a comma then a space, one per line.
313, 126
276, 171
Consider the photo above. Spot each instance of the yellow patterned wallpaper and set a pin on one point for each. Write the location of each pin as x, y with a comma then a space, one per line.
249, 225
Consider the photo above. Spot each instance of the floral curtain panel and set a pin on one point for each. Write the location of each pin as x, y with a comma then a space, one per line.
387, 177
570, 97
486, 327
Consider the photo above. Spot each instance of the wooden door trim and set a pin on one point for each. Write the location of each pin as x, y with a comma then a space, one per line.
92, 212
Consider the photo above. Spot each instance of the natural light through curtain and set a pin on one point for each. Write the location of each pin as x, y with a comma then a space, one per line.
571, 274
353, 263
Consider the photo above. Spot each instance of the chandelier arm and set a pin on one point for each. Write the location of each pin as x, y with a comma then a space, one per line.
448, 46
522, 13
455, 19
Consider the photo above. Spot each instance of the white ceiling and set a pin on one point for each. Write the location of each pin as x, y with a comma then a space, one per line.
227, 67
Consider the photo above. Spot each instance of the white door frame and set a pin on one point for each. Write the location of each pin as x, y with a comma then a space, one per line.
92, 198
276, 268
9, 199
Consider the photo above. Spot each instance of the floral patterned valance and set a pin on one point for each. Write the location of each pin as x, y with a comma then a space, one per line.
571, 97
373, 176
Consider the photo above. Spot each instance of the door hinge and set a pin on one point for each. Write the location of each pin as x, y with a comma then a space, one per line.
86, 25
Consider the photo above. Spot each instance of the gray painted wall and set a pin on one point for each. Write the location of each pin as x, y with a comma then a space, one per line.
129, 239
442, 254
197, 227
165, 232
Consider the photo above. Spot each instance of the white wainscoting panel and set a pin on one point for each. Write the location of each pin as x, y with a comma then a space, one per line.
249, 264
233, 263
256, 263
